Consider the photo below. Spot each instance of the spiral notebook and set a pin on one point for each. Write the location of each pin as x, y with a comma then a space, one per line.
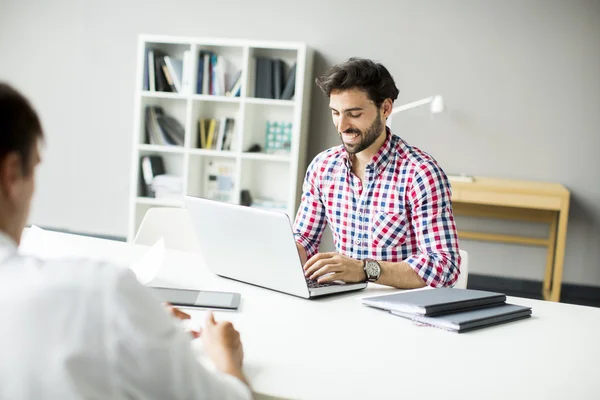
464, 321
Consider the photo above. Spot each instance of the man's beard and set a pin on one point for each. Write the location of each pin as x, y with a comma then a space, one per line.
367, 138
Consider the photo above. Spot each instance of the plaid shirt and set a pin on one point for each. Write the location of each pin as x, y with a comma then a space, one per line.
402, 211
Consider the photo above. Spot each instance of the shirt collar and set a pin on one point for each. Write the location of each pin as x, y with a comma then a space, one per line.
8, 247
380, 159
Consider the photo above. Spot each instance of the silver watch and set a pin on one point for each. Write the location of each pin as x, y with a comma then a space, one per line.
372, 269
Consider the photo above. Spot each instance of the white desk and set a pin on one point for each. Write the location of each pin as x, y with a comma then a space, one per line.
335, 348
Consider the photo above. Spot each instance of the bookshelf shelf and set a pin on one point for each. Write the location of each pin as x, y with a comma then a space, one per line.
212, 153
207, 97
185, 112
266, 157
163, 95
270, 102
153, 148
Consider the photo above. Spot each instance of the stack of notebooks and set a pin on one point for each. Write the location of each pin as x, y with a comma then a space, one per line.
458, 310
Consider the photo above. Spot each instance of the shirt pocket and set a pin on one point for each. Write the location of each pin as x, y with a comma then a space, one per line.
389, 228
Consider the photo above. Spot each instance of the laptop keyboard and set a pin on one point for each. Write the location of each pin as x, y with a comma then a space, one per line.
314, 284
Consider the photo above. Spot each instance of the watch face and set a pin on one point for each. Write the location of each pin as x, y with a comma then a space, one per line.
372, 269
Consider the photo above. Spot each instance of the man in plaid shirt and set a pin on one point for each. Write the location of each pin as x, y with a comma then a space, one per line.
387, 203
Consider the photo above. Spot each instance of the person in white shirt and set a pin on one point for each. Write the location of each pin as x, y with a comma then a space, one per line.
79, 329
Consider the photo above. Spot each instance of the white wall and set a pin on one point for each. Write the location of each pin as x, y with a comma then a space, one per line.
520, 79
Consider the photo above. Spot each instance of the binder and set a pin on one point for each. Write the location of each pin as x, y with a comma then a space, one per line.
434, 301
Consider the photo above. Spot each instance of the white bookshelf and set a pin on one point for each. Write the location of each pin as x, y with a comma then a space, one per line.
276, 177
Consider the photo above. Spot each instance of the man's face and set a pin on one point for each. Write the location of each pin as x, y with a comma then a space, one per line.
28, 183
19, 185
357, 119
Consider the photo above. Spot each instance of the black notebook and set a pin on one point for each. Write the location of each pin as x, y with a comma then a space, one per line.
481, 317
434, 301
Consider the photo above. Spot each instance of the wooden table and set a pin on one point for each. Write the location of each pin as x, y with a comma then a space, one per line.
524, 201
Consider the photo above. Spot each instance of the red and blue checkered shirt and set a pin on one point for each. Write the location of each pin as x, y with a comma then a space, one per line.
402, 211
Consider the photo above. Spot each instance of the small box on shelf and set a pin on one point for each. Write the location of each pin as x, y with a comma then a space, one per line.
219, 181
278, 137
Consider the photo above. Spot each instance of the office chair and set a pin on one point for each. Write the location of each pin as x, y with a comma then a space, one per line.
174, 225
461, 282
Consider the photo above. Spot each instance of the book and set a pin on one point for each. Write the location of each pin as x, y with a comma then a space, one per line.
186, 72
290, 84
434, 301
161, 81
201, 133
264, 78
167, 74
277, 78
206, 73
212, 127
229, 134
175, 69
154, 133
151, 70
464, 321
173, 131
221, 135
200, 76
234, 90
146, 77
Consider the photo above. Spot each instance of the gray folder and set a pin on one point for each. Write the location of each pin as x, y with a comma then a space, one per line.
434, 301
464, 321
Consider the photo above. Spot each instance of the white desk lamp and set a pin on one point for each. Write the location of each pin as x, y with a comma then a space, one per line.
437, 106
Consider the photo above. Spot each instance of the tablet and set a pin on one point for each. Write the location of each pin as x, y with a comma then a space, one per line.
198, 298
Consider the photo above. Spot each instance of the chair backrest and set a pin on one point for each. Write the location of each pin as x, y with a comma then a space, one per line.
461, 282
174, 225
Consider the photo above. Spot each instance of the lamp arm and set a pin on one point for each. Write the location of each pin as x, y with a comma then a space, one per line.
412, 105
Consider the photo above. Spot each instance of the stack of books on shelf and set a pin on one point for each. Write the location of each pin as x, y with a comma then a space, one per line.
216, 134
162, 129
156, 183
456, 310
270, 82
217, 76
165, 73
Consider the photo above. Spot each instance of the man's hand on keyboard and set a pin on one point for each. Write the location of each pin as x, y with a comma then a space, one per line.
329, 267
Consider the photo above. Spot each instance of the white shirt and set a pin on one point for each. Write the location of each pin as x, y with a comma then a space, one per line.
77, 329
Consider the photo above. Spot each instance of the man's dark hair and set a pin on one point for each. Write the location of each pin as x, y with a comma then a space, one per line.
20, 127
363, 74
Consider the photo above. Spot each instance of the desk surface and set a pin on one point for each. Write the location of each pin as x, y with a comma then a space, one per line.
336, 348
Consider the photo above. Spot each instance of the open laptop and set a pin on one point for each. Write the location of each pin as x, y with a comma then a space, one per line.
254, 246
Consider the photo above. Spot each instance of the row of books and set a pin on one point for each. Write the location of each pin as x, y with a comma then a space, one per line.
216, 134
269, 79
165, 73
162, 129
217, 76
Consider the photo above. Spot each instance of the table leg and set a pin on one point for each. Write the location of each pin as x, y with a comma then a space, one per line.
560, 251
550, 256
